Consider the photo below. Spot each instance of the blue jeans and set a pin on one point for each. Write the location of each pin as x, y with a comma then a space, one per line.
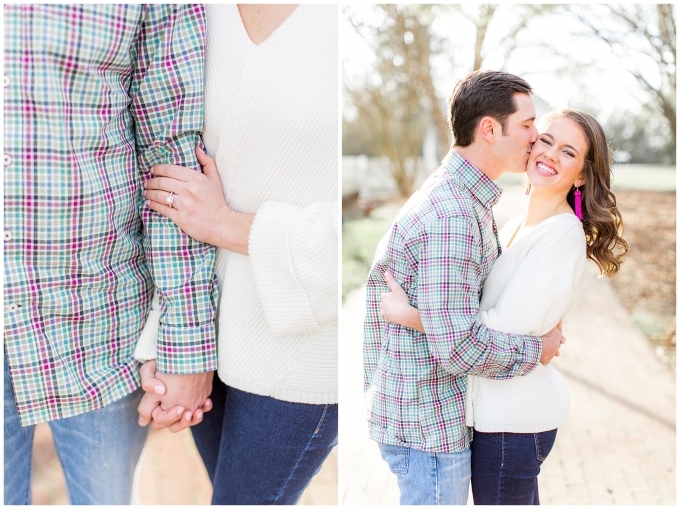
98, 451
260, 450
505, 466
429, 478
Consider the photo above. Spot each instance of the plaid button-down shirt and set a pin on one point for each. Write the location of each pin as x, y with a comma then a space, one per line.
440, 249
94, 96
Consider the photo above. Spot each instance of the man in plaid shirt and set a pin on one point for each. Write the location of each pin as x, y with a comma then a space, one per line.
440, 249
95, 95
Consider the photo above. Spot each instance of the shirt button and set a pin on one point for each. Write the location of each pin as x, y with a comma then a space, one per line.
8, 160
5, 80
13, 308
8, 235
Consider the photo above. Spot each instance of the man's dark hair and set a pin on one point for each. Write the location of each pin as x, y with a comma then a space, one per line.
483, 94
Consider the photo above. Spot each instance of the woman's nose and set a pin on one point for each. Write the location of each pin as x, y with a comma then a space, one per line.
552, 152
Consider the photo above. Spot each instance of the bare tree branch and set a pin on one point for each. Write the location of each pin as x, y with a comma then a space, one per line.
655, 27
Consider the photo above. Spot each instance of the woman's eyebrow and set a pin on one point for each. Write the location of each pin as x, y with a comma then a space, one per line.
566, 144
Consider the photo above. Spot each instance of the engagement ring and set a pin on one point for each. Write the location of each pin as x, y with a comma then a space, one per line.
170, 199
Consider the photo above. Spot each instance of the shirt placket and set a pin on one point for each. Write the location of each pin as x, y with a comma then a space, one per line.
13, 307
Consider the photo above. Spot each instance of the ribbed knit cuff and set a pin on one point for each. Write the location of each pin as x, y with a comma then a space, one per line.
284, 300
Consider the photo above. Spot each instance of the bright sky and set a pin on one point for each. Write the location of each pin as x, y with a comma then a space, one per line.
600, 82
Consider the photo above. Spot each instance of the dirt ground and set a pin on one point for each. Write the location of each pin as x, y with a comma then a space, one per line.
646, 282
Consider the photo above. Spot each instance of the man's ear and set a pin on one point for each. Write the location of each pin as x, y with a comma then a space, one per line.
488, 128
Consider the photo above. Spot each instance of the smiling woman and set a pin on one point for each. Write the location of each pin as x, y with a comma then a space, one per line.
580, 140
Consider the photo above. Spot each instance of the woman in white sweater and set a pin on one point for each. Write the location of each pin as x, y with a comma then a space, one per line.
269, 202
571, 215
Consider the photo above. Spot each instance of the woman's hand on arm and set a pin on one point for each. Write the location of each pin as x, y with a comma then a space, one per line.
396, 306
198, 205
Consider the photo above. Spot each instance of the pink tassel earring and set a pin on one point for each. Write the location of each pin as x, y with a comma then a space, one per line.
577, 204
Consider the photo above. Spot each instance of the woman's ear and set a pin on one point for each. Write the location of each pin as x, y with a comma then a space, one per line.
579, 182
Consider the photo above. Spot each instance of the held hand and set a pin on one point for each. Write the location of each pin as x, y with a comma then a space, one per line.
395, 303
551, 344
151, 411
198, 204
189, 391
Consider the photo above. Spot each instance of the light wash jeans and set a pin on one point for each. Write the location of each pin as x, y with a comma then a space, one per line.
429, 478
98, 451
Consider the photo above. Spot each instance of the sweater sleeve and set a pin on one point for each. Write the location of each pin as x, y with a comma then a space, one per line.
532, 302
294, 258
541, 288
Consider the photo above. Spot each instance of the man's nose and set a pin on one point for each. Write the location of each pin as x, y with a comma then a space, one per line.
534, 134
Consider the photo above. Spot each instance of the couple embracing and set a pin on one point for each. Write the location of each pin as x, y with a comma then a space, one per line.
120, 250
462, 322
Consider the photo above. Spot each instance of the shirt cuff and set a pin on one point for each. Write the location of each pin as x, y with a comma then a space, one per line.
186, 340
528, 354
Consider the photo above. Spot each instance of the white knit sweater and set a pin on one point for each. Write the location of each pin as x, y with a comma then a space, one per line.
534, 283
271, 122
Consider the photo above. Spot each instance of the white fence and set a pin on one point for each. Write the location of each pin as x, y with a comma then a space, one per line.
371, 176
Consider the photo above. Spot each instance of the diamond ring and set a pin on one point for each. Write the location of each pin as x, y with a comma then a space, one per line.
170, 199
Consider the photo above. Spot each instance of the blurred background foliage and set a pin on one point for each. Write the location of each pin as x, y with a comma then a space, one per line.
615, 61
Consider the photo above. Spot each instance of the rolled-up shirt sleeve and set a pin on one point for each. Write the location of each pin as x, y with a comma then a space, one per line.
166, 90
294, 257
449, 288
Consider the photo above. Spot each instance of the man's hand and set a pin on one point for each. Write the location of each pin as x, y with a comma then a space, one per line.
395, 304
551, 344
183, 405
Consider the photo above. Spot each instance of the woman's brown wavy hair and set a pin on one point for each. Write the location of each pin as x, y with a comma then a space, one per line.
602, 222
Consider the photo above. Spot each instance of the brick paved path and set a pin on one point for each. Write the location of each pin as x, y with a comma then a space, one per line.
619, 444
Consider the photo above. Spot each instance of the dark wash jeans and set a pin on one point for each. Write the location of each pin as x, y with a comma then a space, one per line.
505, 466
260, 450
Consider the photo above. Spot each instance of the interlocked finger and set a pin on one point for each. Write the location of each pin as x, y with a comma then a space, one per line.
164, 418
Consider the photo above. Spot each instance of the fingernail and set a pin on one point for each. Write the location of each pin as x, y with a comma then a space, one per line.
144, 192
187, 417
199, 415
152, 170
180, 410
201, 150
147, 202
159, 389
144, 185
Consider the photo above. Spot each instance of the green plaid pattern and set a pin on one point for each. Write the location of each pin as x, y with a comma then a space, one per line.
95, 95
440, 248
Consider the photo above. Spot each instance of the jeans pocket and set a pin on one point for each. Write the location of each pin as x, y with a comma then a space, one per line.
396, 458
544, 443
